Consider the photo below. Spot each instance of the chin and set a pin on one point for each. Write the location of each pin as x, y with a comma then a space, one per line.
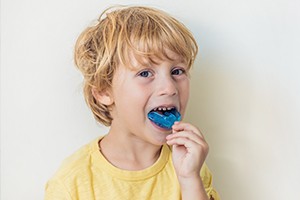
160, 138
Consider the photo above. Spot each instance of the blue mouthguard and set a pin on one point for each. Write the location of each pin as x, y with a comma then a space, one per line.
165, 120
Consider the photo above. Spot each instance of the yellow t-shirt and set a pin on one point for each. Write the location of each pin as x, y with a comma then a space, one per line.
87, 175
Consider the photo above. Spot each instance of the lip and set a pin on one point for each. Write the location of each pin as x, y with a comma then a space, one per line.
165, 105
160, 128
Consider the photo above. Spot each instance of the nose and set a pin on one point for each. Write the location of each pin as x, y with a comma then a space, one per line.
167, 87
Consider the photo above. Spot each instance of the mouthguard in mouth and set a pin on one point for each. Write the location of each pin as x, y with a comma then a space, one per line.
164, 118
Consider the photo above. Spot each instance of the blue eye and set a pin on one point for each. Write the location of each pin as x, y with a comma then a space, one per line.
177, 71
145, 74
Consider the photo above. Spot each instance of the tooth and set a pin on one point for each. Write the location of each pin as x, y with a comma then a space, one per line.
164, 109
169, 108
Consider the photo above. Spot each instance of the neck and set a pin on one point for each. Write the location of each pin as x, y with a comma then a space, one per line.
128, 152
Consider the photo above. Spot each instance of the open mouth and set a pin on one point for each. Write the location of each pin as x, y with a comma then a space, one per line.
164, 117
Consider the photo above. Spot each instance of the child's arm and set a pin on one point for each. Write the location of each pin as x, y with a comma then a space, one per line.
189, 152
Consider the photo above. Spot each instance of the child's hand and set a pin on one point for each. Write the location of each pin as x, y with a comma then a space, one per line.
189, 150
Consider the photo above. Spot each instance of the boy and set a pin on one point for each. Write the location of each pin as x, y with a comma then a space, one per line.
135, 61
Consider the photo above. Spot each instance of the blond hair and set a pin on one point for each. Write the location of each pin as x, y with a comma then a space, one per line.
145, 32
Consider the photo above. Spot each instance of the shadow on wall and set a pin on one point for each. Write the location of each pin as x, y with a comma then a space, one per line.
217, 99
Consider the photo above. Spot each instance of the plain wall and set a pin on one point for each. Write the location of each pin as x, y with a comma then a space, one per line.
245, 92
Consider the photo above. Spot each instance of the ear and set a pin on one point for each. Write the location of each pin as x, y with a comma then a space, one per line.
103, 97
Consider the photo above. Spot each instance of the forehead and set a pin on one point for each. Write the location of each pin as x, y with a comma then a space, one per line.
136, 61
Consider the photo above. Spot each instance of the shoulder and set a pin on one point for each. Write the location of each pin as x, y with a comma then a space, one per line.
206, 175
77, 162
207, 179
75, 170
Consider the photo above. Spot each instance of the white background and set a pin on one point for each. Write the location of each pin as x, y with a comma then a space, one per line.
245, 92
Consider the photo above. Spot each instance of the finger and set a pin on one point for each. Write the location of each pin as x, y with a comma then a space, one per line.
183, 142
187, 134
190, 145
180, 126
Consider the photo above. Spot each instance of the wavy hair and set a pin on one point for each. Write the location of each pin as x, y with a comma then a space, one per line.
119, 32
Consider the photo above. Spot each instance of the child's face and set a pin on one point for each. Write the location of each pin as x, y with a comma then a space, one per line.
136, 92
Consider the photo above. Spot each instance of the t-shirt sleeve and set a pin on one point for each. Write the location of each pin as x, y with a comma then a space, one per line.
56, 190
208, 183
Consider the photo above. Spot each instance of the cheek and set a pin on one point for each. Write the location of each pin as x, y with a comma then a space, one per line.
184, 95
185, 89
130, 96
134, 93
